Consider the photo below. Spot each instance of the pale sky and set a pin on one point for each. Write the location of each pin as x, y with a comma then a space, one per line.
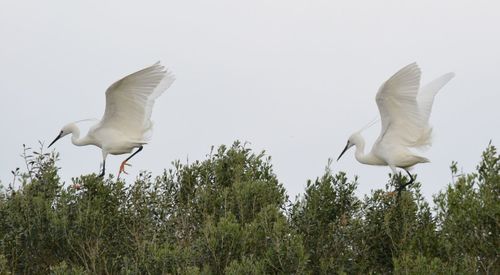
294, 78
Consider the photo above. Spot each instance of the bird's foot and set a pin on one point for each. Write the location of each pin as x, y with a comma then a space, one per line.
402, 187
391, 193
122, 168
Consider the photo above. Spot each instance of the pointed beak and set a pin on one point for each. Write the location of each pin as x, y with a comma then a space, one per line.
58, 137
343, 151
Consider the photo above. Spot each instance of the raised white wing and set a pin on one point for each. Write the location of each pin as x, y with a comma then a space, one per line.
425, 97
402, 121
130, 100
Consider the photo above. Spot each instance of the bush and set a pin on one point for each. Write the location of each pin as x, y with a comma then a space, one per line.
229, 214
468, 214
328, 219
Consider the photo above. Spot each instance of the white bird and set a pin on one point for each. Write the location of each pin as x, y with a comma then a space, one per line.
404, 109
126, 122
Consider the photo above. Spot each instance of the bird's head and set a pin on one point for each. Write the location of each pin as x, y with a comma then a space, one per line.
64, 131
353, 140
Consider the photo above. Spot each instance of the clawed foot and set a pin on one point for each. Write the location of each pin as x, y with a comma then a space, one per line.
122, 168
396, 192
391, 193
399, 183
402, 187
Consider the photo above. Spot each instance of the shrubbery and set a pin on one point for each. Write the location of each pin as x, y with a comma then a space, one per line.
230, 214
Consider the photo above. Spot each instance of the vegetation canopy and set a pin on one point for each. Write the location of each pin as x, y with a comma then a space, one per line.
229, 214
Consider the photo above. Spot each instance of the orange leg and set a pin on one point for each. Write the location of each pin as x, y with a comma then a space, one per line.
391, 193
122, 166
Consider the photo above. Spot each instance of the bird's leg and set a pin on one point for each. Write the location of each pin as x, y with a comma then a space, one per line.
412, 179
103, 169
395, 174
122, 166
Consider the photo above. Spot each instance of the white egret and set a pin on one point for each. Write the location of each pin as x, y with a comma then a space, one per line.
404, 109
126, 122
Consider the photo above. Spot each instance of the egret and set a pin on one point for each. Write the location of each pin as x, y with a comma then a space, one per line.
126, 122
404, 109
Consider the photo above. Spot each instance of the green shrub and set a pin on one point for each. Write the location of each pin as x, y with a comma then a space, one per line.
230, 214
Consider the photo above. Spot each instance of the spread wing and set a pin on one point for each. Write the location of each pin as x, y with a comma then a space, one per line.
425, 97
402, 120
130, 100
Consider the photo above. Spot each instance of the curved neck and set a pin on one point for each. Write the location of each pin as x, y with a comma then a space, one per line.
75, 137
370, 158
360, 151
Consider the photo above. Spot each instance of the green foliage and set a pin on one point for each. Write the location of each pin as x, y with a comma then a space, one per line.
327, 216
228, 214
411, 264
468, 213
396, 226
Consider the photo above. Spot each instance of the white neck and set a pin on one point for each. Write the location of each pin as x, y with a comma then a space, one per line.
360, 153
75, 137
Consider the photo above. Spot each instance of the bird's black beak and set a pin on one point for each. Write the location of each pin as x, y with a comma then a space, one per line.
58, 137
343, 151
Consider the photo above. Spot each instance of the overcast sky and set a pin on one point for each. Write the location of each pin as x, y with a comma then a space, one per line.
294, 78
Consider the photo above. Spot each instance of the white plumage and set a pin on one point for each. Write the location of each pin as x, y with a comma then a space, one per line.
404, 109
126, 123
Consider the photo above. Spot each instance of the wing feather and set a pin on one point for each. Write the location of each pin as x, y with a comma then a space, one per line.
405, 109
425, 97
402, 122
130, 100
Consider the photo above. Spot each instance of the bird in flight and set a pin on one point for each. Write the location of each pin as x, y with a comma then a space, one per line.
126, 122
404, 109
